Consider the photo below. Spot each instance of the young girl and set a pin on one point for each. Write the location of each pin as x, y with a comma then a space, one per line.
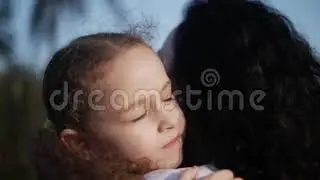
114, 113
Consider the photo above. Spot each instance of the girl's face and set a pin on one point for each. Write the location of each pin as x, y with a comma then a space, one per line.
142, 119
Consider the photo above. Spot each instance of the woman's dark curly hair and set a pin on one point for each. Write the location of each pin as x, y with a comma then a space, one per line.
252, 48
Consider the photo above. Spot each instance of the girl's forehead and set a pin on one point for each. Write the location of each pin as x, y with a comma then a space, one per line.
138, 68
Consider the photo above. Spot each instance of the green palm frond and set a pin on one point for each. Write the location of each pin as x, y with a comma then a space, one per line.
5, 35
46, 14
5, 47
5, 7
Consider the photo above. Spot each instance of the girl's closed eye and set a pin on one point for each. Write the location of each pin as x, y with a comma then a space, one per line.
140, 117
167, 93
172, 97
134, 114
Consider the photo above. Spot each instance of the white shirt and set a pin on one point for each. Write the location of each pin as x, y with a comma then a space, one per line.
174, 174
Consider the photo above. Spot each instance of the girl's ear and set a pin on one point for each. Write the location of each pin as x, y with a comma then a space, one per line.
76, 143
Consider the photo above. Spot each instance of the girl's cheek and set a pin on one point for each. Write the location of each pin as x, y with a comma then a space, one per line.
178, 114
139, 145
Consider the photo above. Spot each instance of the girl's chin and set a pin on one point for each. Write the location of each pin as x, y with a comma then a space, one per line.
174, 162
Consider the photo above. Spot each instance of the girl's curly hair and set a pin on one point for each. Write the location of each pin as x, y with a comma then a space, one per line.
53, 161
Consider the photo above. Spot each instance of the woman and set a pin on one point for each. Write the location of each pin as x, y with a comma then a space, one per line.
259, 116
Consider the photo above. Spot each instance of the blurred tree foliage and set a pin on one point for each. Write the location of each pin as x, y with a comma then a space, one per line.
21, 109
21, 114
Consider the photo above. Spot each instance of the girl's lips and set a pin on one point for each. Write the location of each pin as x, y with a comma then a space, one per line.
174, 142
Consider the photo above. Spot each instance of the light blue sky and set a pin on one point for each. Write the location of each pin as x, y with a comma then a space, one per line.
166, 14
